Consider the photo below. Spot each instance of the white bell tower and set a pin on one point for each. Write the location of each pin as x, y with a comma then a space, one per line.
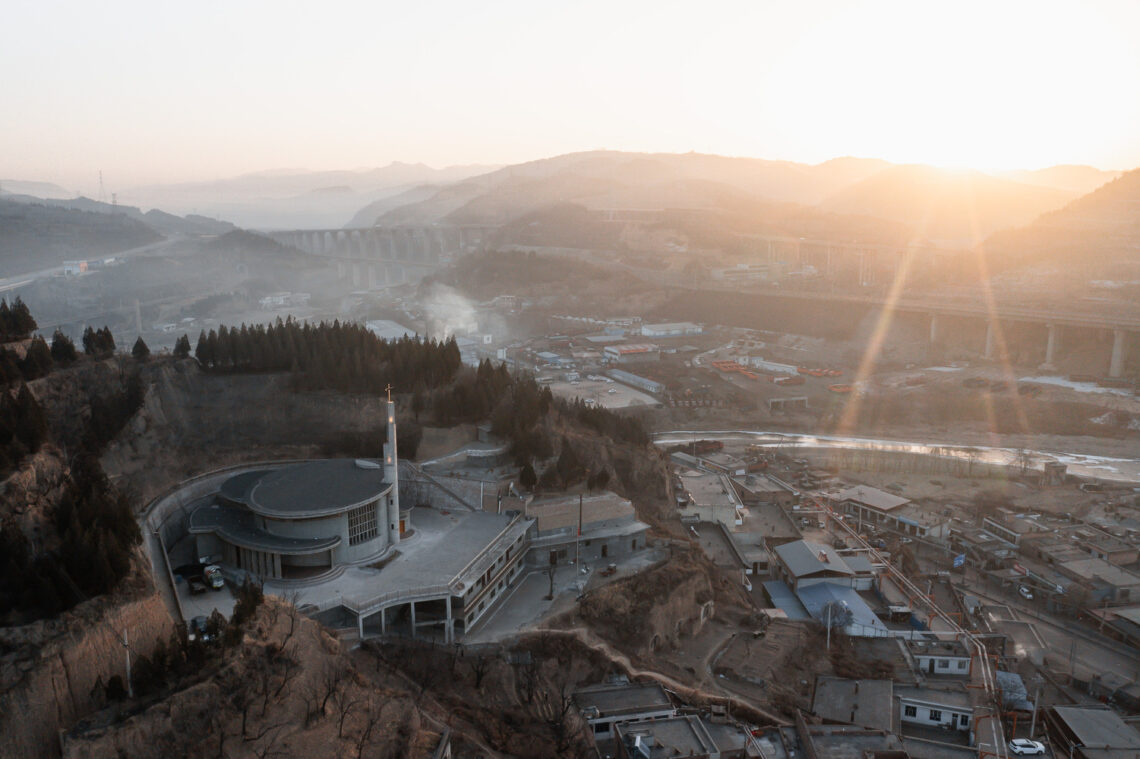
392, 474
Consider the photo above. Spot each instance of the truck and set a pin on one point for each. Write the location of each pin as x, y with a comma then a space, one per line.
199, 577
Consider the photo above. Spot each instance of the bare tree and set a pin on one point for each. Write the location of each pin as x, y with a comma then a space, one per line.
318, 694
480, 664
344, 706
372, 716
268, 745
293, 614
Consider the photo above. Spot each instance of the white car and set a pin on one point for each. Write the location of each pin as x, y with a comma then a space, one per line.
1025, 592
1022, 746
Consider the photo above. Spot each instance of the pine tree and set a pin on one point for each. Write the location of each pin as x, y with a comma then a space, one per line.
37, 361
141, 352
62, 349
527, 477
182, 347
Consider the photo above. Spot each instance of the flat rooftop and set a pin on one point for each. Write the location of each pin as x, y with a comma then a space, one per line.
869, 703
1098, 727
708, 489
951, 697
317, 488
1102, 571
555, 513
872, 498
938, 648
623, 698
444, 551
687, 736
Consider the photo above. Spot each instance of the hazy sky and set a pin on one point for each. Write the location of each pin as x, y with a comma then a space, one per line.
156, 91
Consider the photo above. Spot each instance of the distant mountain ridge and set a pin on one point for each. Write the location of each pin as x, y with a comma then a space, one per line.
956, 208
296, 198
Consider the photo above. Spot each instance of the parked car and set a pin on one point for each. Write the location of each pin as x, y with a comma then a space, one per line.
1024, 746
1025, 592
196, 630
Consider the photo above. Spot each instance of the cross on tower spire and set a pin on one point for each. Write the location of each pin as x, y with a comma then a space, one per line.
389, 389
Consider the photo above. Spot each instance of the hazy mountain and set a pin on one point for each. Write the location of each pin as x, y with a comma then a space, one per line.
36, 189
295, 198
1080, 179
953, 206
368, 215
1099, 233
160, 221
609, 179
935, 204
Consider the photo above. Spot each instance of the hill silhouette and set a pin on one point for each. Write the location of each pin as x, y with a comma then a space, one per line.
947, 205
1099, 232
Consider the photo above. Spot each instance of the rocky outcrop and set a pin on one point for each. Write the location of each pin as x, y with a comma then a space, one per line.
31, 493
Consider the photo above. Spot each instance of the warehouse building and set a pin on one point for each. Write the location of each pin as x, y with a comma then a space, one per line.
631, 354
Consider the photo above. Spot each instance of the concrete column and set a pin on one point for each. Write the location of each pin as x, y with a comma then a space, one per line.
1116, 366
412, 607
360, 625
989, 339
1051, 343
449, 627
933, 329
383, 621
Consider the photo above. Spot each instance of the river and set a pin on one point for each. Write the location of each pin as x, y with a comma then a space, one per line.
1079, 464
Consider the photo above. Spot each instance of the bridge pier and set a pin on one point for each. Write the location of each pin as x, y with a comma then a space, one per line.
1051, 344
990, 327
933, 329
1116, 365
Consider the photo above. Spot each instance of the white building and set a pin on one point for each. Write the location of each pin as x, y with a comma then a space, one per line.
671, 329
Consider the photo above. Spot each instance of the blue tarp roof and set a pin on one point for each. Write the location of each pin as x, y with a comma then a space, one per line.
816, 597
784, 599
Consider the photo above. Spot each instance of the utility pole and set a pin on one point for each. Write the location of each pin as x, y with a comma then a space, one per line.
829, 627
578, 535
127, 648
1036, 695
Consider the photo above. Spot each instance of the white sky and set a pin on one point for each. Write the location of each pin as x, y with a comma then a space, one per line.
161, 92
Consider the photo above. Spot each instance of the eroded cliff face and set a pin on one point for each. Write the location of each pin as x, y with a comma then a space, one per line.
283, 688
54, 672
656, 609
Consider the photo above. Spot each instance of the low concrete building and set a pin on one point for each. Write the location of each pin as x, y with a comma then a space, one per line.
868, 703
937, 707
631, 353
605, 705
755, 489
637, 381
830, 742
1103, 581
940, 657
599, 526
671, 329
687, 736
1091, 732
801, 564
871, 506
709, 497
